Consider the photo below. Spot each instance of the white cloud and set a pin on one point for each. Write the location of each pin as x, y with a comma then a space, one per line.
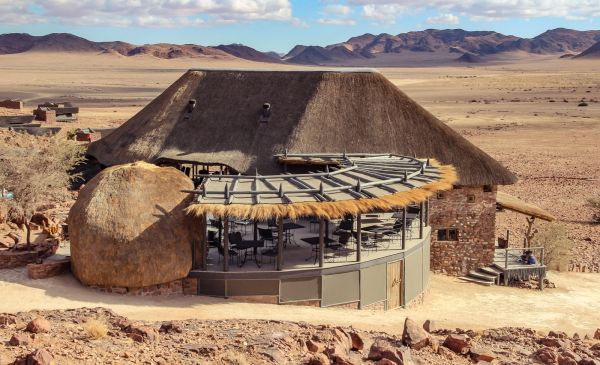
337, 14
148, 13
386, 13
443, 19
338, 9
336, 21
483, 9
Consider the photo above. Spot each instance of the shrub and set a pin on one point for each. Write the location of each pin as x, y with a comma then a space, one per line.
553, 237
595, 205
96, 329
233, 358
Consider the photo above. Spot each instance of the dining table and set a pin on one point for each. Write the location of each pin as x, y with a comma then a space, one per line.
246, 245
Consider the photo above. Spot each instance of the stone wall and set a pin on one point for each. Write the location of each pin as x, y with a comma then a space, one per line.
472, 212
11, 104
16, 258
48, 269
185, 286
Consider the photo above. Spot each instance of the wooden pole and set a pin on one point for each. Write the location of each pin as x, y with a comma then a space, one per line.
421, 206
220, 230
279, 244
507, 238
506, 259
404, 228
226, 245
203, 243
321, 242
427, 212
255, 230
358, 237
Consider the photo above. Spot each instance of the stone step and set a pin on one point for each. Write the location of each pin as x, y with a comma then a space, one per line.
491, 271
476, 281
482, 276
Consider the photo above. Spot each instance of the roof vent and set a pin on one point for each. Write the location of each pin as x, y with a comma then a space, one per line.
191, 105
265, 113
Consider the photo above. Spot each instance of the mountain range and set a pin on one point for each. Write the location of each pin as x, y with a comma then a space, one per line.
431, 46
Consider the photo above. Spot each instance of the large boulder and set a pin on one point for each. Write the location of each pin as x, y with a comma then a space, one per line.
128, 227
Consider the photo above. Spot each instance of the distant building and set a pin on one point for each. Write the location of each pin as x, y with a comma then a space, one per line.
11, 104
84, 135
56, 112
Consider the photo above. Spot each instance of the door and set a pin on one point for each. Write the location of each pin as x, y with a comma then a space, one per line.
394, 284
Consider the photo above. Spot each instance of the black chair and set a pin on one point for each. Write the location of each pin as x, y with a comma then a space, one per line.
270, 253
272, 223
366, 242
267, 235
342, 245
232, 253
345, 226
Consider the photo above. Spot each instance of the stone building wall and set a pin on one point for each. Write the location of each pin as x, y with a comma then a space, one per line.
472, 212
11, 104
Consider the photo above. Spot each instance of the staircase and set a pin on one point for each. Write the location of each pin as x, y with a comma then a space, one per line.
487, 275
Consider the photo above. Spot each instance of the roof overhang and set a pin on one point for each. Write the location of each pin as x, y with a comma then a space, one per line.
359, 184
512, 203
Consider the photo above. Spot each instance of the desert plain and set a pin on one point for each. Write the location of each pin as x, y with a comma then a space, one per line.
528, 114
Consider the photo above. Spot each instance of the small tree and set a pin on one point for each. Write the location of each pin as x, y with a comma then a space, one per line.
594, 203
36, 170
553, 237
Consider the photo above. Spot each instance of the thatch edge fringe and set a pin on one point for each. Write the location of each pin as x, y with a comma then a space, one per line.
329, 210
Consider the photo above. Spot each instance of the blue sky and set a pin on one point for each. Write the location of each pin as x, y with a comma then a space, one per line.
280, 24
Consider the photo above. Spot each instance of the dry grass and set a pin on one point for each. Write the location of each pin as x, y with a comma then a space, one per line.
553, 237
594, 203
96, 329
329, 210
233, 358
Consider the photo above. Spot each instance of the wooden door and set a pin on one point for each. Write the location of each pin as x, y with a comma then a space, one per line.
394, 284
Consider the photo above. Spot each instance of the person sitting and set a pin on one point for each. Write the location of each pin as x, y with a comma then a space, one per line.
531, 260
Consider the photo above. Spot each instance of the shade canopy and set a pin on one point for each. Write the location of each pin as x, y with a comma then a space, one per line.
509, 202
360, 183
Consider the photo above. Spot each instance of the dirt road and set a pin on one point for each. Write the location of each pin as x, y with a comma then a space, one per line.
573, 307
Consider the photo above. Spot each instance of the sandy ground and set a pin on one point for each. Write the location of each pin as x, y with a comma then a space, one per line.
574, 307
525, 115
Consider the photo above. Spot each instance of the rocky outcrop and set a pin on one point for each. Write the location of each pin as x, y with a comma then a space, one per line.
128, 227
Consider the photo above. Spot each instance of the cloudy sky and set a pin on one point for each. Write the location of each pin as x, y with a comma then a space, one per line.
280, 24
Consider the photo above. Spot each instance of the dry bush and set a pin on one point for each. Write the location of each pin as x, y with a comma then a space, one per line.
553, 237
36, 170
233, 358
96, 329
594, 203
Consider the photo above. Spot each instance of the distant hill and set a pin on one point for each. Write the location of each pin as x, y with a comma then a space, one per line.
247, 53
469, 58
592, 52
63, 42
58, 42
422, 48
390, 49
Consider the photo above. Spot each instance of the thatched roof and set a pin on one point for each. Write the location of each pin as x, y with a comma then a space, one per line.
312, 112
361, 184
509, 202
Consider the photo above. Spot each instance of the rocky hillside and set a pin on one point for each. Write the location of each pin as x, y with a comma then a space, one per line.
99, 336
63, 42
479, 43
592, 52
